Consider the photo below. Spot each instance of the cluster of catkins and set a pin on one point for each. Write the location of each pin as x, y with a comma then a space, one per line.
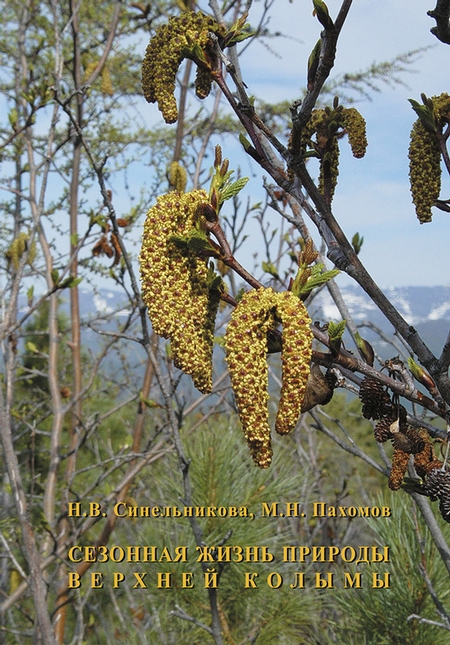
425, 157
18, 247
326, 125
182, 296
257, 313
184, 36
407, 441
180, 290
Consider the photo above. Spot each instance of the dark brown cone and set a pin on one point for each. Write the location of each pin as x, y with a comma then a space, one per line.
371, 395
382, 430
437, 485
417, 441
444, 507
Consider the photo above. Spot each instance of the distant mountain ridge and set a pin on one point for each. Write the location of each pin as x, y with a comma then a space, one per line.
415, 304
426, 308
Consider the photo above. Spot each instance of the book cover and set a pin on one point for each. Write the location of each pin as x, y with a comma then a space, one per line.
216, 427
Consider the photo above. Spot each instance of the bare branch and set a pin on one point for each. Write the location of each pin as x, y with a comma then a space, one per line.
441, 13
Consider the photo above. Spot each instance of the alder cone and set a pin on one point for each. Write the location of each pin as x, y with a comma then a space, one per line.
382, 430
437, 484
417, 441
444, 507
371, 394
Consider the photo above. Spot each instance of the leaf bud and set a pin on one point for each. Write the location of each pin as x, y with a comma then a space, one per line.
420, 374
365, 349
217, 156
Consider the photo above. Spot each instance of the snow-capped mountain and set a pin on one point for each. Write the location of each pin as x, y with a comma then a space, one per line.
415, 304
425, 308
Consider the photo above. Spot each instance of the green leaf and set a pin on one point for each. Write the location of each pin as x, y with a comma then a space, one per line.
357, 242
149, 403
198, 242
238, 38
239, 295
245, 142
214, 280
336, 330
55, 276
70, 282
180, 241
425, 114
239, 31
268, 267
317, 278
233, 189
335, 333
313, 60
195, 240
13, 117
365, 349
420, 374
31, 347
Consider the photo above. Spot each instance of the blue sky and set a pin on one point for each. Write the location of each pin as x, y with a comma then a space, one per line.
373, 195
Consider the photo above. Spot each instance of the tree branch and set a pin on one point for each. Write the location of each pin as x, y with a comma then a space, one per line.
441, 13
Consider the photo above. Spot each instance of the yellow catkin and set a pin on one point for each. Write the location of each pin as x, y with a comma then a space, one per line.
296, 359
246, 347
106, 85
18, 247
424, 170
399, 465
90, 68
177, 177
175, 285
203, 83
355, 126
441, 105
329, 167
172, 42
